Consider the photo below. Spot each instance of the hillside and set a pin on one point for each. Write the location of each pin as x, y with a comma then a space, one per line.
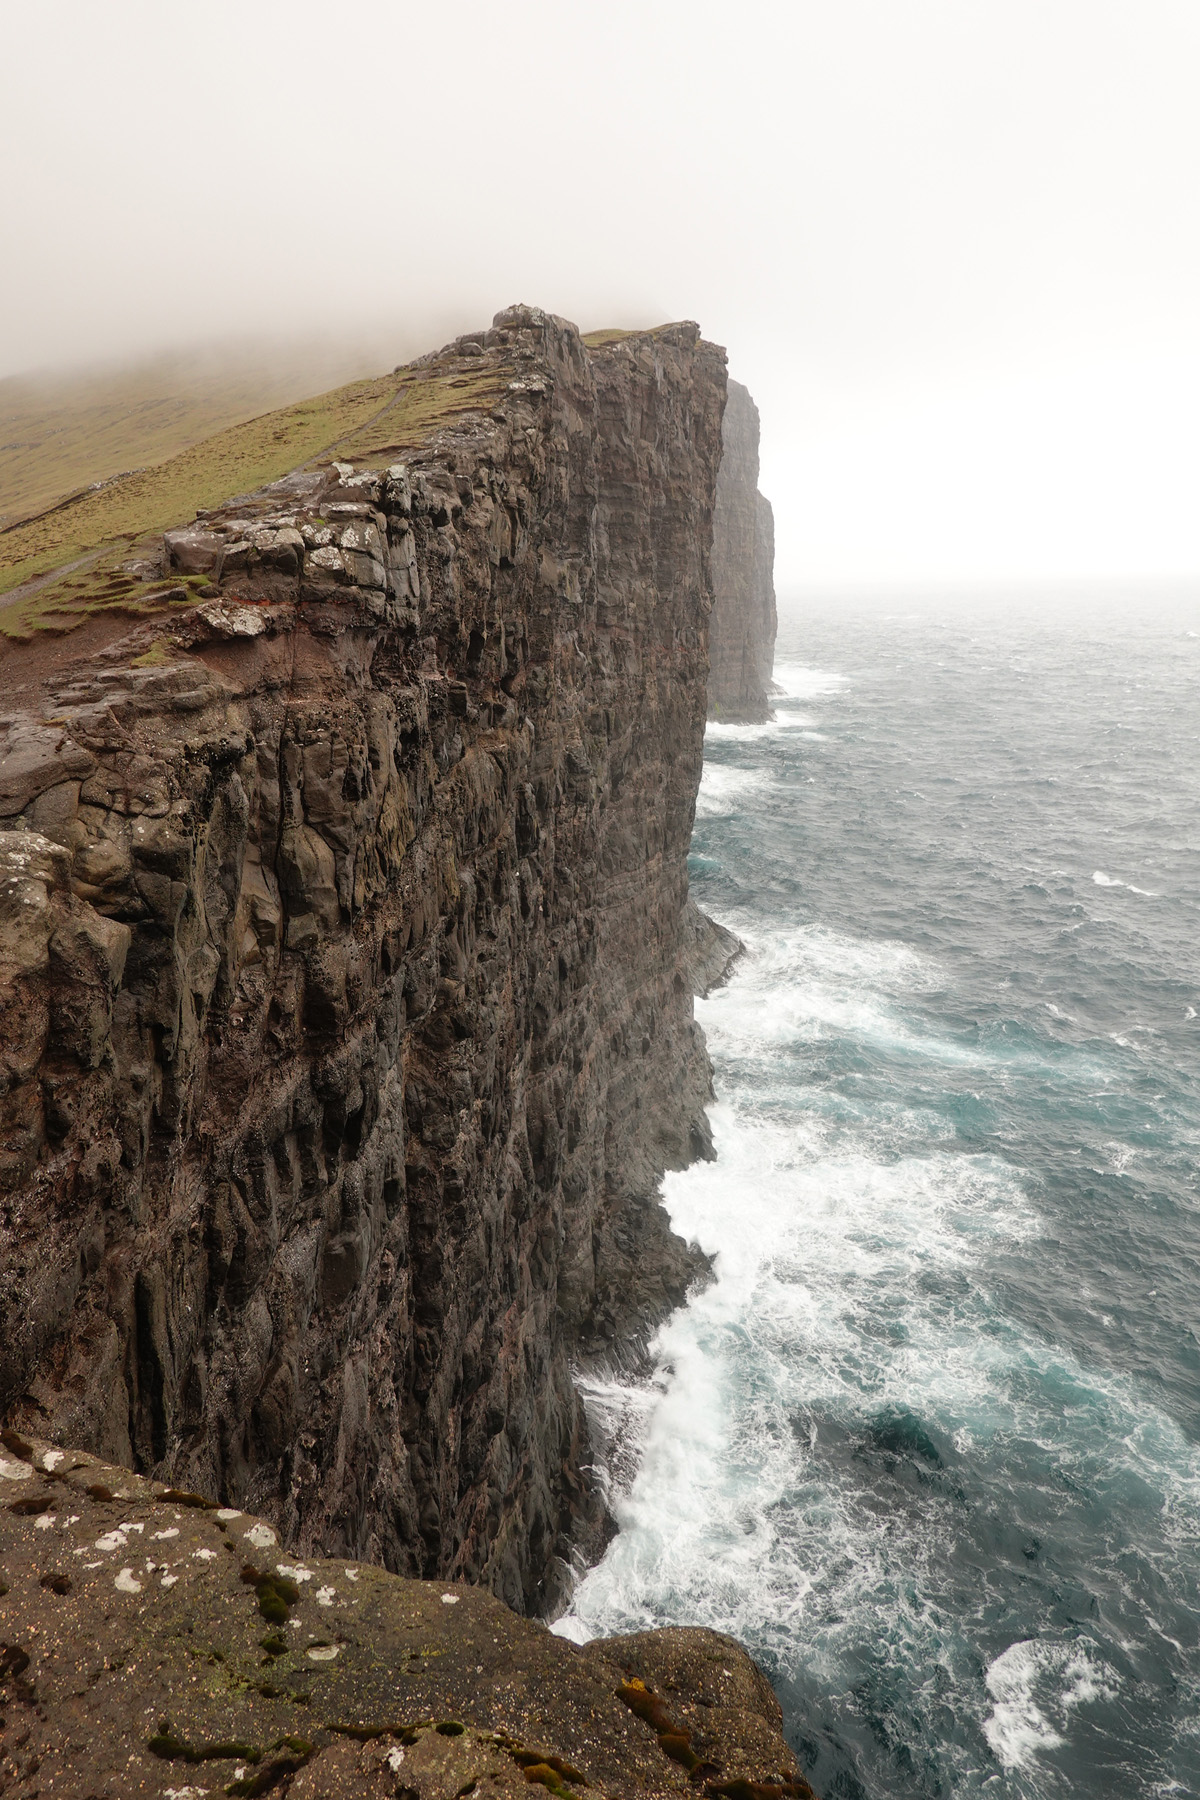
60, 431
101, 527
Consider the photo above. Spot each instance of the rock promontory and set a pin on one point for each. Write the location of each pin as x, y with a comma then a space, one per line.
742, 628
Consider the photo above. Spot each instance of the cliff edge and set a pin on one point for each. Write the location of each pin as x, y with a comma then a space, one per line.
347, 1027
155, 1644
743, 624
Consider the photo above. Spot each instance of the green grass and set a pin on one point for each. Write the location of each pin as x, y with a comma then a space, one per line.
103, 587
61, 433
368, 422
231, 462
595, 340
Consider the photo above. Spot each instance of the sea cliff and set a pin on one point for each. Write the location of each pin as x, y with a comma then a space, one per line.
347, 1018
743, 623
346, 975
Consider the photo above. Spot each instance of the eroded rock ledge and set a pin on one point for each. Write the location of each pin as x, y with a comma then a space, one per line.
346, 1025
742, 632
155, 1644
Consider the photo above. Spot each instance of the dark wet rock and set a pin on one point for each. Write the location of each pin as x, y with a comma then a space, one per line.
141, 1658
742, 631
347, 1028
710, 950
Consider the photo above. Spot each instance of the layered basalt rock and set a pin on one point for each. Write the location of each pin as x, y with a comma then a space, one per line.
156, 1644
742, 628
346, 1024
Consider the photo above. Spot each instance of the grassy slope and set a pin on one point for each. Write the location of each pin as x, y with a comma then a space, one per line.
59, 434
612, 334
90, 430
230, 462
366, 421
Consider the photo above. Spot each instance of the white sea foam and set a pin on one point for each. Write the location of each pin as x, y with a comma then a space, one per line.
808, 984
798, 685
813, 1240
1034, 1686
792, 723
1017, 1728
797, 681
1109, 881
725, 790
850, 1250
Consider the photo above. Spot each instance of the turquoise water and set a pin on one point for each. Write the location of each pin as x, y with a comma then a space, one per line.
930, 1442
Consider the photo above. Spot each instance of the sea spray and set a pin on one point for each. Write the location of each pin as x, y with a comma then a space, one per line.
927, 1443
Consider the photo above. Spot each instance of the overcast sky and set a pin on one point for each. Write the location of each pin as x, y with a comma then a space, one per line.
953, 246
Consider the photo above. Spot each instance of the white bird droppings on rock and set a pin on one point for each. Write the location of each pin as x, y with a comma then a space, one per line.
13, 1471
326, 1596
170, 1532
261, 1536
204, 1555
322, 1652
297, 1571
225, 1513
112, 1540
169, 1580
52, 1458
394, 1758
44, 1521
449, 1599
128, 1582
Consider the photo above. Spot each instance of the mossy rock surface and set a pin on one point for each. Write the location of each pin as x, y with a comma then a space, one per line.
149, 1662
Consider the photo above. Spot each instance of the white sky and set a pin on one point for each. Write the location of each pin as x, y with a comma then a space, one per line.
953, 246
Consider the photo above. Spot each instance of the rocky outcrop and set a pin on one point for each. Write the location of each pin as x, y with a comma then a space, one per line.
346, 1026
742, 628
709, 950
155, 1644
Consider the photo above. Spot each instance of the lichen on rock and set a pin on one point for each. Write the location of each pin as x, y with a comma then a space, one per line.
145, 1669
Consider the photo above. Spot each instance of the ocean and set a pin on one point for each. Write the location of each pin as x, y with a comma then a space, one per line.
929, 1443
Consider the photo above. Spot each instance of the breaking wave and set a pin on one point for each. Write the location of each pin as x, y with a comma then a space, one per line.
927, 1441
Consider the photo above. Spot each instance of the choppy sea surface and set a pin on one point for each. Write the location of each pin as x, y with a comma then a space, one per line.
930, 1442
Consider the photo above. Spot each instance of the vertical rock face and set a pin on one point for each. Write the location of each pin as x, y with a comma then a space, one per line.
742, 629
345, 1031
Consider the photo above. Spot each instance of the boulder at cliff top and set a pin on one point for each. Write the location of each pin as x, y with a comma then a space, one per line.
742, 627
153, 1644
347, 1027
